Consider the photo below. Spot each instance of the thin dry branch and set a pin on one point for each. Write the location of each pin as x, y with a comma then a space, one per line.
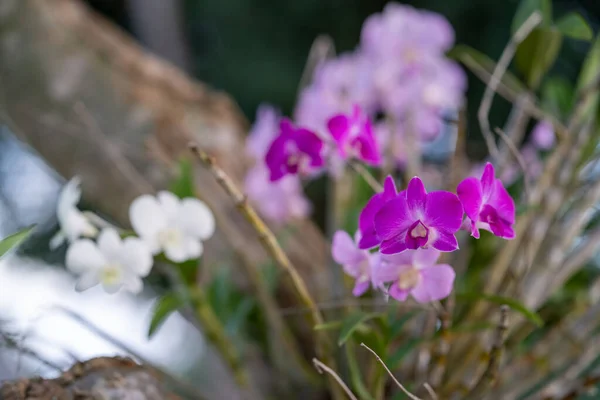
322, 367
519, 157
488, 96
271, 245
490, 375
406, 392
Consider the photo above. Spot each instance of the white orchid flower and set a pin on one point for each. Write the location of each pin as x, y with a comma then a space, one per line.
111, 262
171, 225
73, 224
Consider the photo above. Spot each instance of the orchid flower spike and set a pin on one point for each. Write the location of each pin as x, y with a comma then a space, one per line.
171, 225
295, 150
357, 263
417, 219
354, 136
487, 204
73, 224
415, 272
112, 262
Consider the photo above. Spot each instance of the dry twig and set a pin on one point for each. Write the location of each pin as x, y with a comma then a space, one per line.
406, 392
507, 55
322, 367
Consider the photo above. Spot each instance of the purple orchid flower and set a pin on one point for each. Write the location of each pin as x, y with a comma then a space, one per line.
295, 150
366, 224
543, 135
419, 220
354, 136
415, 272
356, 262
487, 204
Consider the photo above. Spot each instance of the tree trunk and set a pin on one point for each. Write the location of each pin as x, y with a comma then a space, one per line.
92, 103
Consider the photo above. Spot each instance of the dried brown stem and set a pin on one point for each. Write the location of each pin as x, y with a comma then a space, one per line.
406, 392
490, 375
519, 157
488, 96
272, 246
322, 367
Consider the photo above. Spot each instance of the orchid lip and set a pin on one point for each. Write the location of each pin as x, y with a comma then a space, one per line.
409, 279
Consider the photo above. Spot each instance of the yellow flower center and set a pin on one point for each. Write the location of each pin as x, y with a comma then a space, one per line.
111, 274
409, 279
170, 237
419, 231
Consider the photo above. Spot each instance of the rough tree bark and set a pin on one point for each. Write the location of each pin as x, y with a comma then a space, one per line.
92, 103
99, 378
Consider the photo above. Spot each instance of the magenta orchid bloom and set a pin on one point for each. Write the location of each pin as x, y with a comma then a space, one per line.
295, 150
356, 262
415, 272
419, 220
354, 136
366, 224
487, 204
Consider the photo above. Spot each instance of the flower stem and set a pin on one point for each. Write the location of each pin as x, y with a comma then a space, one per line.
215, 332
271, 245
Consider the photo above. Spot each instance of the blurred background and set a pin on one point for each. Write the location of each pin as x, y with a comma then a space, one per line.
255, 50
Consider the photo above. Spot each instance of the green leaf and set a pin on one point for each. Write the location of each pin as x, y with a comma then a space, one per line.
478, 62
14, 240
537, 53
573, 25
396, 357
528, 7
557, 96
355, 374
183, 186
328, 326
164, 306
352, 322
512, 303
396, 326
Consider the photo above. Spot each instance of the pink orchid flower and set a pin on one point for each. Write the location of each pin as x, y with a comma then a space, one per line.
295, 150
354, 136
415, 272
357, 263
419, 220
487, 204
366, 224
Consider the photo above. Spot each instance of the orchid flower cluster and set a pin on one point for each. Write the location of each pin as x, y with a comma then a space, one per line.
398, 81
164, 224
411, 229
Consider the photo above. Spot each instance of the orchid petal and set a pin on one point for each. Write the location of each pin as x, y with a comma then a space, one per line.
83, 256
436, 283
196, 219
443, 211
87, 281
470, 193
445, 241
136, 257
416, 197
147, 216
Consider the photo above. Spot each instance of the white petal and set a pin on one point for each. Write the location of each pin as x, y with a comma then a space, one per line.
133, 283
75, 225
109, 243
169, 203
69, 197
57, 240
112, 288
147, 216
84, 256
136, 257
177, 252
193, 247
87, 280
196, 219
